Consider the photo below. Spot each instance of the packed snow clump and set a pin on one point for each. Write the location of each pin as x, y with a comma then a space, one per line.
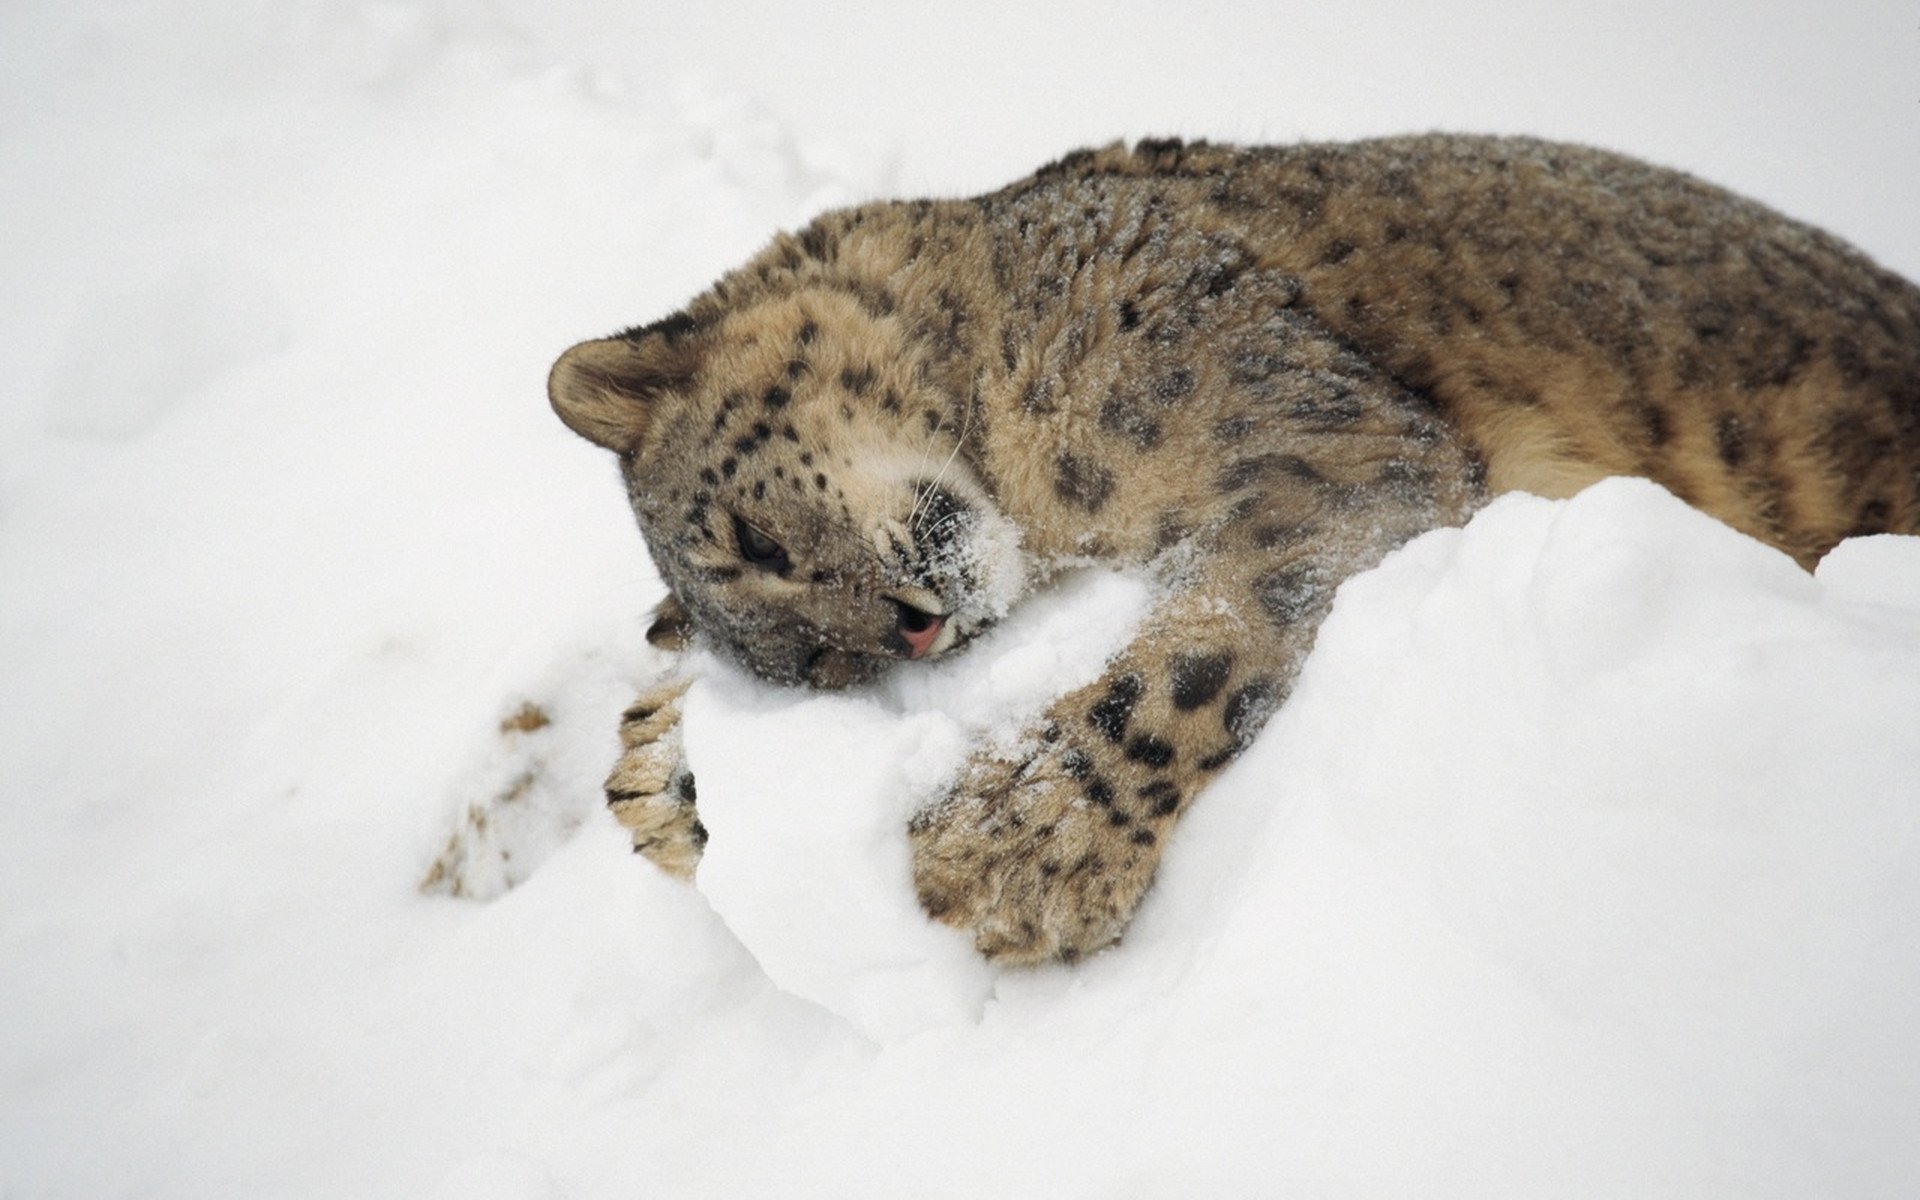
807, 797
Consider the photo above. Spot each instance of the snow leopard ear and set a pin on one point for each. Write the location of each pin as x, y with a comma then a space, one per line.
672, 626
606, 390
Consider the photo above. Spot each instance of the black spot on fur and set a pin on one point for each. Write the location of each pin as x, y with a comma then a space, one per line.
1219, 758
1198, 678
877, 301
1654, 424
1324, 403
1152, 751
1711, 318
1173, 387
1170, 529
1730, 440
950, 336
1405, 478
1123, 417
1234, 429
776, 397
1476, 470
1077, 763
1165, 795
1221, 278
1037, 398
1248, 709
1871, 518
1338, 251
858, 381
1290, 593
808, 332
1111, 712
1143, 837
1099, 791
1082, 482
1261, 467
1780, 360
1849, 360
1129, 314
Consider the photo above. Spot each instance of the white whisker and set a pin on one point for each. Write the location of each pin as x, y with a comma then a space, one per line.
926, 493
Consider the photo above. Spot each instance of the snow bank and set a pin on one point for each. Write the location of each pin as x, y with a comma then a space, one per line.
1585, 857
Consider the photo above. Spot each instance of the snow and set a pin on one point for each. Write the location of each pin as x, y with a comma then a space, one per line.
807, 798
1582, 861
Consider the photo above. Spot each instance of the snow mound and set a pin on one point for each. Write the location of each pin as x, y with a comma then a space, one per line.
1585, 850
1657, 770
1584, 819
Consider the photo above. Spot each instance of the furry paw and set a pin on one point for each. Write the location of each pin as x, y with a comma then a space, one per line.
650, 791
1020, 854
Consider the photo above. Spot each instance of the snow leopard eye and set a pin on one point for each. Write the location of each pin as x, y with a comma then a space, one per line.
757, 548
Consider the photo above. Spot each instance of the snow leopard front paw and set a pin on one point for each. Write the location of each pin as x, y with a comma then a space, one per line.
650, 791
1033, 857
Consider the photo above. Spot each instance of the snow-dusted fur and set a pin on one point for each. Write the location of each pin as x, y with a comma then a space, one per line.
1252, 371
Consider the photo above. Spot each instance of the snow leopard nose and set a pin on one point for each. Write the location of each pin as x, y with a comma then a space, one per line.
918, 628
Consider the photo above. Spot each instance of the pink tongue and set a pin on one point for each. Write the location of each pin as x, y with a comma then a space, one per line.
918, 643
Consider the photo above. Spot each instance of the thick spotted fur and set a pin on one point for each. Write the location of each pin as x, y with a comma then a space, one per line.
1251, 371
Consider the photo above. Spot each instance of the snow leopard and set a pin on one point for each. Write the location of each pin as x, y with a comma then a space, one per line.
1249, 372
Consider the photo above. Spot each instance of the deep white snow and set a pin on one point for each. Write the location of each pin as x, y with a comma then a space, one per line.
1584, 861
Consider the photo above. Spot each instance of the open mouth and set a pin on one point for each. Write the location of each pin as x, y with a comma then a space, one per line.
922, 628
